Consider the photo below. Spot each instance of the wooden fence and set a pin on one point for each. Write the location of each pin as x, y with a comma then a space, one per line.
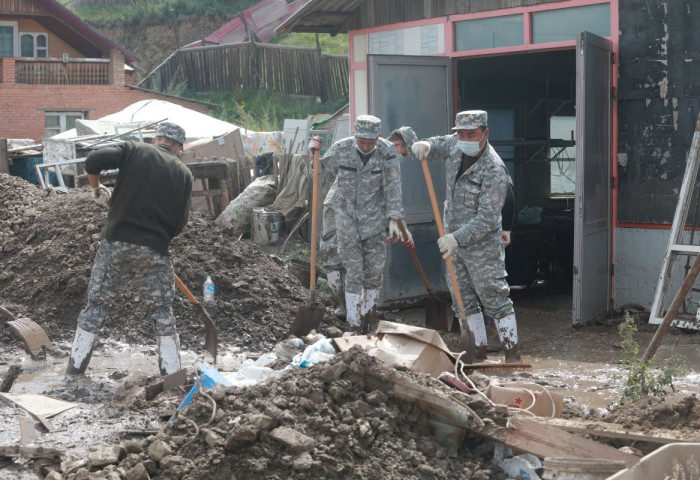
254, 66
48, 71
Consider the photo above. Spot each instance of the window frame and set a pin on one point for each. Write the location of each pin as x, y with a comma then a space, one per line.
35, 47
61, 120
15, 35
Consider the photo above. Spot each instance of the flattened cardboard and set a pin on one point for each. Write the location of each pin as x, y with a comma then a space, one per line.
405, 346
229, 145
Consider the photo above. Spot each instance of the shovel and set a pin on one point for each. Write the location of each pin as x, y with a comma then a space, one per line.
210, 338
467, 336
438, 315
309, 317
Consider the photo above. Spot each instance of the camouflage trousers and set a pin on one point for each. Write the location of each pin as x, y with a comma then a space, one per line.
149, 274
481, 278
328, 248
363, 261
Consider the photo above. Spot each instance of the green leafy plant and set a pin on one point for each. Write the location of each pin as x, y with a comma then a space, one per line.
643, 378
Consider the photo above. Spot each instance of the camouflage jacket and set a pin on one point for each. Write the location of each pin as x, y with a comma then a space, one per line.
368, 195
473, 202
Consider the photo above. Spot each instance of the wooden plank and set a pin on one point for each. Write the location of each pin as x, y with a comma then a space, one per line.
30, 452
38, 404
10, 377
4, 157
609, 430
529, 436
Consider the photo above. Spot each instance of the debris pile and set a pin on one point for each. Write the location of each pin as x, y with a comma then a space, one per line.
335, 420
48, 241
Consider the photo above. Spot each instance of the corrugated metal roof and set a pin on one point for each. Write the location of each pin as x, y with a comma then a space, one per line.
322, 16
263, 18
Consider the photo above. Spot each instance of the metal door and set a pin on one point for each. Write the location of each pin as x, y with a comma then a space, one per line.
592, 225
414, 91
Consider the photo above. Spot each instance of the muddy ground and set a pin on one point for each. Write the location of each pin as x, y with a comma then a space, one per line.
47, 245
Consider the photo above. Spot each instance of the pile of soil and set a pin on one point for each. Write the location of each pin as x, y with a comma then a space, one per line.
334, 420
678, 412
48, 241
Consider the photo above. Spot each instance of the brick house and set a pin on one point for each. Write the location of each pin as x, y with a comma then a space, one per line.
54, 69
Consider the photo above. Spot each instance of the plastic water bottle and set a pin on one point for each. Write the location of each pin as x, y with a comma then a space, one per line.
208, 289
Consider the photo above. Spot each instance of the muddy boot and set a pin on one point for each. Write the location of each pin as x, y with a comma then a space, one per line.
169, 354
352, 301
480, 354
81, 351
512, 354
508, 334
335, 282
493, 341
368, 310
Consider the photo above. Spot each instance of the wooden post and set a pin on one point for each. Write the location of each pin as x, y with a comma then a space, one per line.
672, 311
4, 157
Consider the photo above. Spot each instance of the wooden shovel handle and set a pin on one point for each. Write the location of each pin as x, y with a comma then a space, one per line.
314, 225
412, 251
183, 288
441, 232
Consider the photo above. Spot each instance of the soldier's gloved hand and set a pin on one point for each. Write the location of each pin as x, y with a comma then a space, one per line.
421, 149
101, 195
315, 143
409, 240
505, 238
394, 232
447, 244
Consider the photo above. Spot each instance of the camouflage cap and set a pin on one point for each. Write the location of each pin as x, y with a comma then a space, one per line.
409, 136
367, 126
172, 131
470, 119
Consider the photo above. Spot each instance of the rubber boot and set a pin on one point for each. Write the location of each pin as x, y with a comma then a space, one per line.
508, 334
169, 354
81, 351
335, 282
477, 326
368, 311
352, 302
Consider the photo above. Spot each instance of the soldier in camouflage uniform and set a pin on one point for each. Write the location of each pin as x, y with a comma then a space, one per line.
477, 182
368, 198
335, 272
403, 139
149, 206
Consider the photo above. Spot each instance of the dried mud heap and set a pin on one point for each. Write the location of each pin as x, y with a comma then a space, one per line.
48, 242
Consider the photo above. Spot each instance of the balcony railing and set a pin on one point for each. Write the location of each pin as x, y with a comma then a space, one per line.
54, 71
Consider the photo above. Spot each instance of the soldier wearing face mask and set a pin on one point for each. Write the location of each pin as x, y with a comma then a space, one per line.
477, 184
367, 203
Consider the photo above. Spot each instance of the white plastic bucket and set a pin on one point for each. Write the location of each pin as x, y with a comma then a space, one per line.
556, 468
266, 226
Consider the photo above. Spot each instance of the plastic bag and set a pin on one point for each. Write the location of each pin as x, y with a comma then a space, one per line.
260, 193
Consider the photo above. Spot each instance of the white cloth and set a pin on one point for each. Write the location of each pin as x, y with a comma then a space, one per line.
101, 195
447, 244
421, 149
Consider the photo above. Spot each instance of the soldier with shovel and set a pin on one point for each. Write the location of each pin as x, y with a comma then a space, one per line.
477, 184
368, 198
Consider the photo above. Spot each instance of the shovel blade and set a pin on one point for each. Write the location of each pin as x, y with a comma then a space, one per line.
308, 318
438, 315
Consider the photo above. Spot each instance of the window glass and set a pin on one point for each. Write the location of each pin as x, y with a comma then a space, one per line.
566, 23
26, 42
7, 42
52, 120
57, 122
70, 120
42, 49
492, 32
562, 166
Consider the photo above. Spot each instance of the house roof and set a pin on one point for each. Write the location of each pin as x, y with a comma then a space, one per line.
322, 16
68, 26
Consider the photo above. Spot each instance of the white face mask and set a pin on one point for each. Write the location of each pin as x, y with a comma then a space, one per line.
365, 154
470, 148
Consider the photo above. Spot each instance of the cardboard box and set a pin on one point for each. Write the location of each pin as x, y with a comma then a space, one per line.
518, 395
414, 348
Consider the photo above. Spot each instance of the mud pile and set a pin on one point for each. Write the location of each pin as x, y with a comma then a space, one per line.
48, 242
678, 412
334, 420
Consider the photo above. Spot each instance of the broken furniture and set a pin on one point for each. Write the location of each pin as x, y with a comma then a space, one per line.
33, 336
214, 180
